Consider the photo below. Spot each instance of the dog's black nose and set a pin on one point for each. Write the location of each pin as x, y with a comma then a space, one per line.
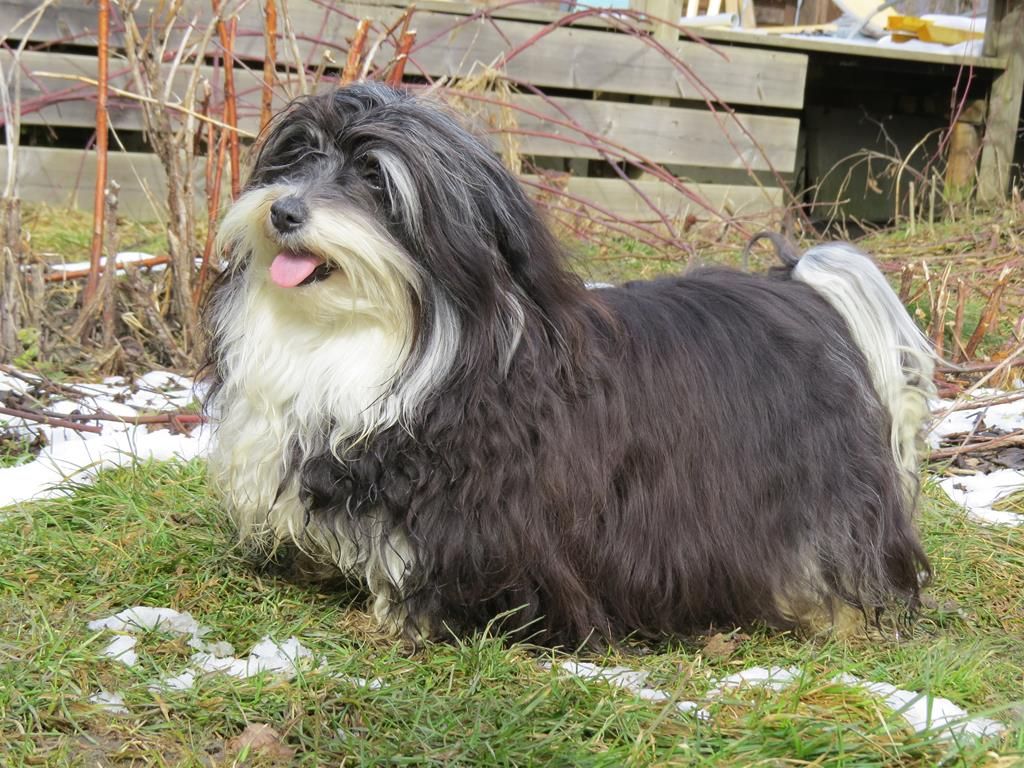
288, 214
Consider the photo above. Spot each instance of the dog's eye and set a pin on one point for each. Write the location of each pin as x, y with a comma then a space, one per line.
370, 173
298, 146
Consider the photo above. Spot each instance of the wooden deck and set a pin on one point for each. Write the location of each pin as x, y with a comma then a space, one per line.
832, 47
588, 94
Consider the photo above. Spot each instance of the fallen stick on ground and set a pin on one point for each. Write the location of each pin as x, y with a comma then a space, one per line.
42, 383
52, 421
145, 418
60, 276
978, 444
985, 402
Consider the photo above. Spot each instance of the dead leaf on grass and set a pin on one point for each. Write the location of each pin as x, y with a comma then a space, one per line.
260, 739
722, 646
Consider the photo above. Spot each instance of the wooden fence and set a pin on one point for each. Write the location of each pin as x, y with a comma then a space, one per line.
578, 101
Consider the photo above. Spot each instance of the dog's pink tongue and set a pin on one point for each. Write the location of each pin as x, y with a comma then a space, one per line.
289, 269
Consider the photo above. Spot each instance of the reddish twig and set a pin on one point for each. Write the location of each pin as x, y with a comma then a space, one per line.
618, 20
939, 308
103, 56
107, 296
232, 109
906, 281
355, 53
988, 314
176, 418
958, 319
406, 39
226, 33
42, 383
52, 421
979, 444
394, 78
970, 367
603, 146
77, 274
213, 205
269, 61
983, 403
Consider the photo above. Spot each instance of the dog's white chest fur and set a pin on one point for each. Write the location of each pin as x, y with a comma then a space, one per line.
293, 388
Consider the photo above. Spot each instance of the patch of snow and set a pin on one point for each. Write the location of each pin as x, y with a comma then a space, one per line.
775, 678
282, 659
144, 618
373, 683
181, 682
9, 383
632, 680
217, 657
978, 493
122, 648
162, 390
1005, 416
924, 713
267, 655
622, 677
921, 711
74, 458
219, 649
122, 258
162, 381
112, 702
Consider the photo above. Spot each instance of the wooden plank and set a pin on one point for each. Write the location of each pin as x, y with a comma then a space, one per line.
65, 178
810, 44
663, 13
816, 12
63, 22
994, 13
49, 99
615, 63
537, 13
748, 18
1004, 108
620, 199
575, 58
663, 134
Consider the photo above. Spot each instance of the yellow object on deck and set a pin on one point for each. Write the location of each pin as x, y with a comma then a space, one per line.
904, 28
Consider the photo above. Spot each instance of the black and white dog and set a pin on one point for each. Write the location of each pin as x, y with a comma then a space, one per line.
410, 387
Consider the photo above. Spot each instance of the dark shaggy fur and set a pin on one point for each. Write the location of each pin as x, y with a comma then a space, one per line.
651, 459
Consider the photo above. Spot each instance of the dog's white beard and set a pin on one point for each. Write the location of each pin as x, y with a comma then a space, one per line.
309, 369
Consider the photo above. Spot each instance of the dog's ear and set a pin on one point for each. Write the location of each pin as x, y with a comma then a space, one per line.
522, 238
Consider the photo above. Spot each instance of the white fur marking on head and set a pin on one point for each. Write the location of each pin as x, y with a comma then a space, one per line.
400, 187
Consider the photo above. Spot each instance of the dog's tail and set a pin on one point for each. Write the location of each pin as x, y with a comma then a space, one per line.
900, 358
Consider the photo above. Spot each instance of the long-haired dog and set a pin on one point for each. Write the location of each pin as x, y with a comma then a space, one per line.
411, 389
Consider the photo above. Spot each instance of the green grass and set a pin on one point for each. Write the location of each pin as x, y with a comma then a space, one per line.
1012, 503
998, 334
65, 235
152, 536
14, 450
